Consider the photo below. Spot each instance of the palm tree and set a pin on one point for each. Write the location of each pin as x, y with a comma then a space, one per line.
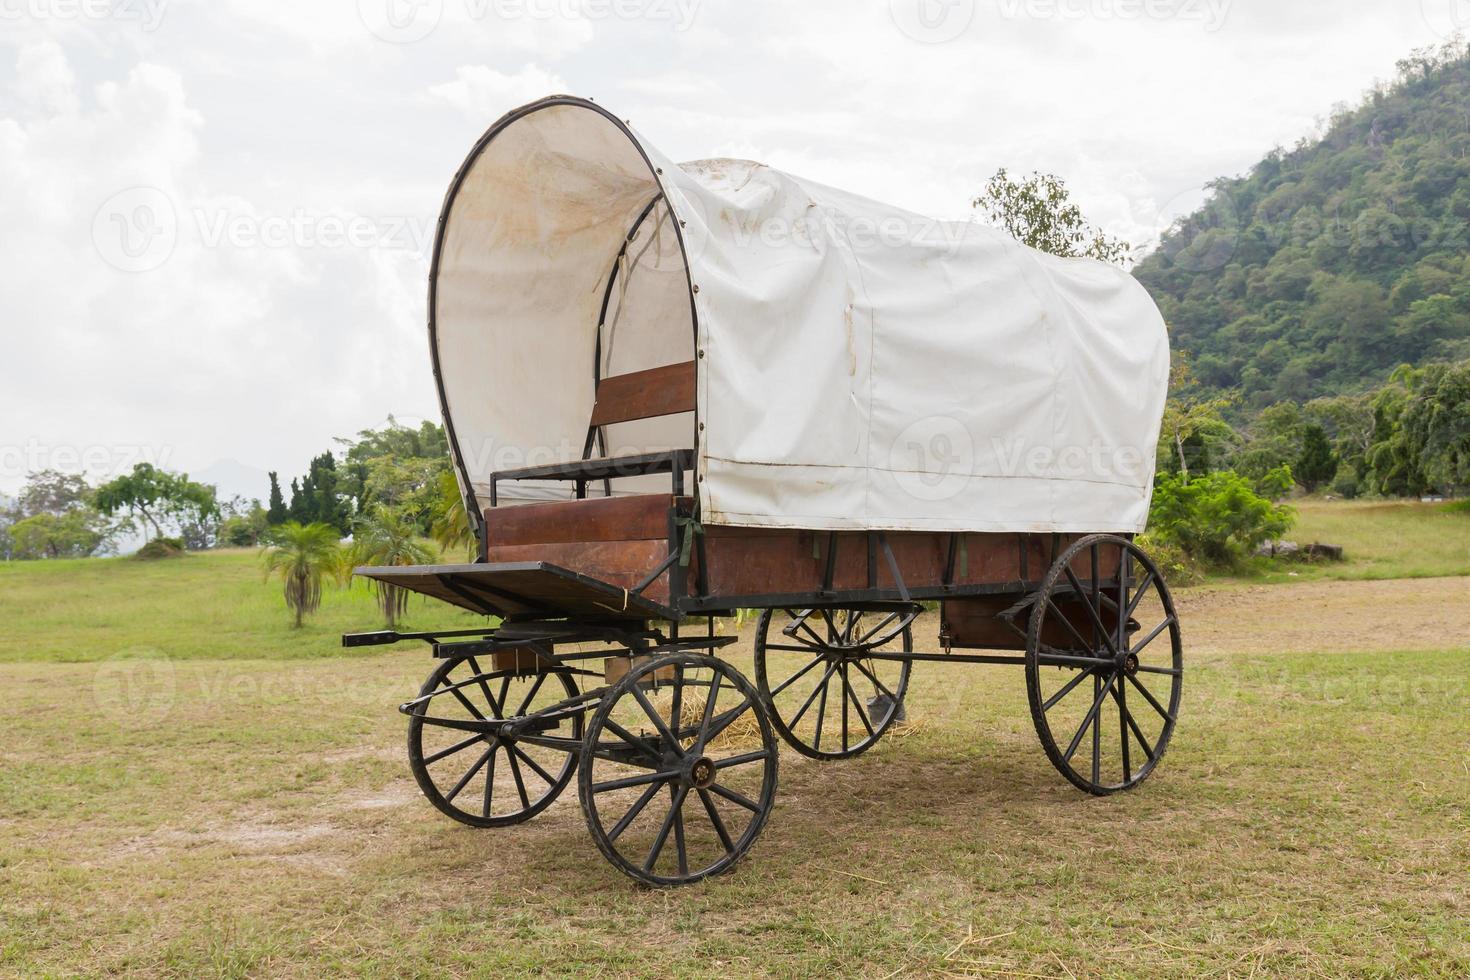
388, 536
448, 520
302, 555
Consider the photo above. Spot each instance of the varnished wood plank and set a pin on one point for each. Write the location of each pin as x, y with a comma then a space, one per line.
667, 390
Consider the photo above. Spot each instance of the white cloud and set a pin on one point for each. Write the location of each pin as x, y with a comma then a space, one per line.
482, 92
260, 134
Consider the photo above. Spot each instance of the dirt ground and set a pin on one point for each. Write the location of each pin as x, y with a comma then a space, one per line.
1398, 614
238, 818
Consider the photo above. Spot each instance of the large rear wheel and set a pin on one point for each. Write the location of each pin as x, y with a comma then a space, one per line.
1104, 664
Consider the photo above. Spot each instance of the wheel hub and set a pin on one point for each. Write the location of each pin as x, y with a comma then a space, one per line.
1128, 662
702, 772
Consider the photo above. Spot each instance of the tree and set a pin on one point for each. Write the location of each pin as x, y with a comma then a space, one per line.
1219, 517
1191, 419
1317, 463
1436, 425
387, 536
157, 496
449, 521
53, 517
1037, 211
77, 533
303, 555
276, 513
52, 492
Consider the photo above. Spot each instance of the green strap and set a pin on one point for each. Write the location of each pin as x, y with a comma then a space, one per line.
688, 527
964, 558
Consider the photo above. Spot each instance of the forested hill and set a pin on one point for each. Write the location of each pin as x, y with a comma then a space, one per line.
1329, 264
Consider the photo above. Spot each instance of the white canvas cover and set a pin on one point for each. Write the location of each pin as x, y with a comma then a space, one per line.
858, 366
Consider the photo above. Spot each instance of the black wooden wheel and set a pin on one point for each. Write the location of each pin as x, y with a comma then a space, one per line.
823, 676
488, 780
1104, 688
678, 770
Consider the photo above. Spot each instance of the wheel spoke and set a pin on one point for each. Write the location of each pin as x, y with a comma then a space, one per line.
459, 696
877, 629
876, 682
794, 677
1069, 660
820, 688
1150, 638
465, 779
1125, 560
862, 717
735, 797
709, 710
676, 707
1068, 624
1096, 737
1120, 697
1143, 587
526, 702
632, 739
1171, 671
1091, 717
485, 688
843, 695
714, 819
535, 766
1132, 725
723, 722
1149, 697
663, 832
504, 693
515, 771
489, 783
1091, 612
638, 780
679, 831
740, 760
822, 706
633, 811
458, 746
657, 720
1068, 687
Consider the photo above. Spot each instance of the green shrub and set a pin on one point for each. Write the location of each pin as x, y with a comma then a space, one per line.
1218, 518
1176, 566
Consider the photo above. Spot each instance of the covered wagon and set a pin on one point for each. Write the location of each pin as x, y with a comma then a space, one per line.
673, 392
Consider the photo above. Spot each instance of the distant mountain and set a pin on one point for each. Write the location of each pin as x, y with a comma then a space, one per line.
234, 478
1328, 264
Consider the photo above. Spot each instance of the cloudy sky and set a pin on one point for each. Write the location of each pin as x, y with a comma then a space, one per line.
215, 215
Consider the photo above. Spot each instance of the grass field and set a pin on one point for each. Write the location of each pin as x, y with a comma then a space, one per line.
189, 788
1383, 539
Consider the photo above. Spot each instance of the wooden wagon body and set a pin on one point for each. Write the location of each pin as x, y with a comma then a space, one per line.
675, 496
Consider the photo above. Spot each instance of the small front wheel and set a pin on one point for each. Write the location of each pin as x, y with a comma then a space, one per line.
488, 780
678, 770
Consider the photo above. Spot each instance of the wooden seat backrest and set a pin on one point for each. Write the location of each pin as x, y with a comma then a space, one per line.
667, 390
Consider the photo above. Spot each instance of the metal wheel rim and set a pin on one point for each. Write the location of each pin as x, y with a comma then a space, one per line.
445, 800
606, 836
1113, 679
786, 730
